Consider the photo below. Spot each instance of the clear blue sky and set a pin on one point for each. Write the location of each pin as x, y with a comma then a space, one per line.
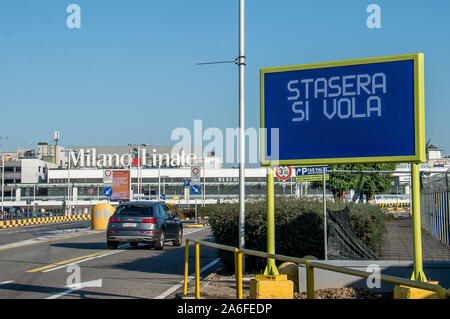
129, 75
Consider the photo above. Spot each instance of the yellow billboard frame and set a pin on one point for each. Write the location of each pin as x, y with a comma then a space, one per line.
419, 112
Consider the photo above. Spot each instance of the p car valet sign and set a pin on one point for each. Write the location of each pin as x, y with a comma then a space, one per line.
366, 110
311, 173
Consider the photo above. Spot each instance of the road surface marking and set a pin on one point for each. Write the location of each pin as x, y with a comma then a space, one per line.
45, 239
181, 283
77, 260
191, 231
81, 285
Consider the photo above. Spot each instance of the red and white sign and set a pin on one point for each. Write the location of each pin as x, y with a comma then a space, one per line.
107, 177
195, 174
283, 172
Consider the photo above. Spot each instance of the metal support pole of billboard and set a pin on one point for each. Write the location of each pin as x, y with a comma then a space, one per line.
418, 273
241, 64
325, 214
271, 268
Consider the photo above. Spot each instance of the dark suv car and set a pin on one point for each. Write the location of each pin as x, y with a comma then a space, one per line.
143, 222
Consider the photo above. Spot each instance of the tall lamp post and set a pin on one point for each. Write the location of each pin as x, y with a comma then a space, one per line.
240, 61
241, 64
138, 148
68, 182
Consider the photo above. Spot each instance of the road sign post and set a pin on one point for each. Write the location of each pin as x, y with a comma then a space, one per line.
271, 268
195, 189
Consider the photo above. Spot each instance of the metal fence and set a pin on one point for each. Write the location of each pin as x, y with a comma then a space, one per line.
311, 265
435, 206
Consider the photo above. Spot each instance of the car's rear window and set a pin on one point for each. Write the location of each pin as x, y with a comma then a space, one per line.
132, 210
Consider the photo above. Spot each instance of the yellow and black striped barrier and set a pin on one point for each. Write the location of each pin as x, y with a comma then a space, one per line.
41, 220
393, 205
200, 222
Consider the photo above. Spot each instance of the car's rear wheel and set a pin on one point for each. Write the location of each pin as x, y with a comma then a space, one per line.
179, 239
159, 242
112, 244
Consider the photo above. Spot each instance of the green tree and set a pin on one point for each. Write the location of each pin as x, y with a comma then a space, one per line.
363, 183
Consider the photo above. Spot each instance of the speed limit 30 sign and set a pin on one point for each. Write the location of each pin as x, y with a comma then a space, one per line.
283, 172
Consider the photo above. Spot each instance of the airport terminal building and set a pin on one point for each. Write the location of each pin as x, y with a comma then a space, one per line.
74, 178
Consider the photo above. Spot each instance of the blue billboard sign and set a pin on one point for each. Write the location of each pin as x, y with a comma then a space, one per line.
367, 110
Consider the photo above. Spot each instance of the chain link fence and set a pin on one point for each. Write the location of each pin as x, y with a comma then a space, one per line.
435, 206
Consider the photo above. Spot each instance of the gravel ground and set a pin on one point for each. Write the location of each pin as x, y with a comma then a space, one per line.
223, 286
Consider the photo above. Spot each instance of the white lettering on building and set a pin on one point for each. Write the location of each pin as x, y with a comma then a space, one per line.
83, 158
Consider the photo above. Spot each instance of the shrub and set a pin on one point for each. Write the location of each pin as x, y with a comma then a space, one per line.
369, 224
298, 228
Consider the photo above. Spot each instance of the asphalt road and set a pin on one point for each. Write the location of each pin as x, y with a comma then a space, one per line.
70, 261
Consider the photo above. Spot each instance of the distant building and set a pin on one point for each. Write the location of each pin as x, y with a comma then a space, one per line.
24, 171
52, 154
435, 158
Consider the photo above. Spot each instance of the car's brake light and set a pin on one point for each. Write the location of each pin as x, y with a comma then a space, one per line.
149, 220
114, 220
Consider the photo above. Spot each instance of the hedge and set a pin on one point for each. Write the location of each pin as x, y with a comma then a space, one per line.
298, 228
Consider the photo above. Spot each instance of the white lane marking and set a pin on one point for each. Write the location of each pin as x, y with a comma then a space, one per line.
181, 283
45, 239
191, 230
119, 250
89, 284
98, 283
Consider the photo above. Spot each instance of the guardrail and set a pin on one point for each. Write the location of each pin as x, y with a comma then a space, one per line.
310, 265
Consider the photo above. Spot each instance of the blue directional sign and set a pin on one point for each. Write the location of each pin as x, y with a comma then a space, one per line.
108, 191
187, 182
162, 196
357, 111
195, 189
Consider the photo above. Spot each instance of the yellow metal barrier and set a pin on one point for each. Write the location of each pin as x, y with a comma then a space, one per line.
310, 266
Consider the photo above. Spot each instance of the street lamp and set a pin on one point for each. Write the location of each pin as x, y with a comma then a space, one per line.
68, 180
240, 61
138, 148
3, 172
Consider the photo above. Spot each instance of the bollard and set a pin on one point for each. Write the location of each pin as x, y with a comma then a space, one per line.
100, 215
186, 266
238, 272
309, 280
197, 271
